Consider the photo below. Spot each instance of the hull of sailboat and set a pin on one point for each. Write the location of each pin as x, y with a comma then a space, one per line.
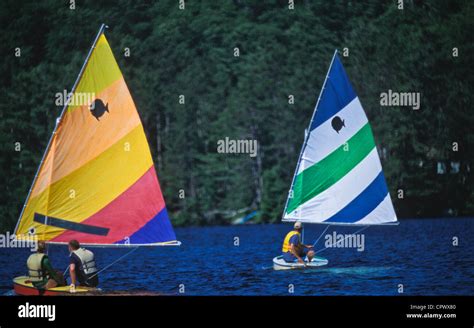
280, 264
23, 287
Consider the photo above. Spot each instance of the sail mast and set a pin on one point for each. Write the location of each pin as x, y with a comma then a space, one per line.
101, 30
308, 130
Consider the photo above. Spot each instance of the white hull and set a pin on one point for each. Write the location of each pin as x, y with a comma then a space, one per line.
280, 264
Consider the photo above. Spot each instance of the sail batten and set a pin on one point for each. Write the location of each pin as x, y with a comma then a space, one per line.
339, 177
97, 182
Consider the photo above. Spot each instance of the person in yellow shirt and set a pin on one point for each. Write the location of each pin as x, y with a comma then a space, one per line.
293, 249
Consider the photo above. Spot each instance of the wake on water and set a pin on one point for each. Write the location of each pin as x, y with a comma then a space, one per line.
358, 271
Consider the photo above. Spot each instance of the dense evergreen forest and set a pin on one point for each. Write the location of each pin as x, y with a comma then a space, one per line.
238, 64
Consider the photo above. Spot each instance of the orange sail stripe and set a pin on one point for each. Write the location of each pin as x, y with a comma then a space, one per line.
87, 136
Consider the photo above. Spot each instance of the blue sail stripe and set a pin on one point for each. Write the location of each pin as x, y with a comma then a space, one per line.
157, 230
336, 95
364, 203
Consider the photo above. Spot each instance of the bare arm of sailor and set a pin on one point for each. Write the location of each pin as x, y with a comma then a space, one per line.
72, 273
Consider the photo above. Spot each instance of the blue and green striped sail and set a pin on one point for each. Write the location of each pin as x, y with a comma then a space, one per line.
339, 178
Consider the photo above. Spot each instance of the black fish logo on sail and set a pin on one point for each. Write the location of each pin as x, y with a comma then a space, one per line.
337, 123
98, 108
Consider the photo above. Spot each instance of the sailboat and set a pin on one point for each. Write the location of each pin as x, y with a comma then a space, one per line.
338, 178
96, 182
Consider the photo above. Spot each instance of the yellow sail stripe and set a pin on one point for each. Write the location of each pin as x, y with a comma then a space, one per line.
90, 188
100, 72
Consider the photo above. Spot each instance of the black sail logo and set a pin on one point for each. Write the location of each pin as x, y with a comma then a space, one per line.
98, 108
337, 124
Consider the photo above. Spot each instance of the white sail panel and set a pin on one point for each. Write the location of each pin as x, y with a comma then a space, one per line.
316, 150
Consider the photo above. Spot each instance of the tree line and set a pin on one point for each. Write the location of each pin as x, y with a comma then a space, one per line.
228, 69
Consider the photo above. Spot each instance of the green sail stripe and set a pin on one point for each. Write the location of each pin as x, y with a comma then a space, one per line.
328, 171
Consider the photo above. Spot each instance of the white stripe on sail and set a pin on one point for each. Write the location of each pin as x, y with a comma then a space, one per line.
336, 197
383, 213
324, 139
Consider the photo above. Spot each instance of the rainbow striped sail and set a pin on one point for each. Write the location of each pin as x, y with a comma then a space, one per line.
97, 182
339, 178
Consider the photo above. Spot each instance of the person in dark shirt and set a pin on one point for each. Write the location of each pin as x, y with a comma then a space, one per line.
82, 267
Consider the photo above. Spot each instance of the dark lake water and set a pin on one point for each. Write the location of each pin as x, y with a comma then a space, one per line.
418, 253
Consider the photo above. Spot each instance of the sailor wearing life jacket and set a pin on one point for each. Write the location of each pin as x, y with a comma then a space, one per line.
40, 271
82, 267
293, 250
